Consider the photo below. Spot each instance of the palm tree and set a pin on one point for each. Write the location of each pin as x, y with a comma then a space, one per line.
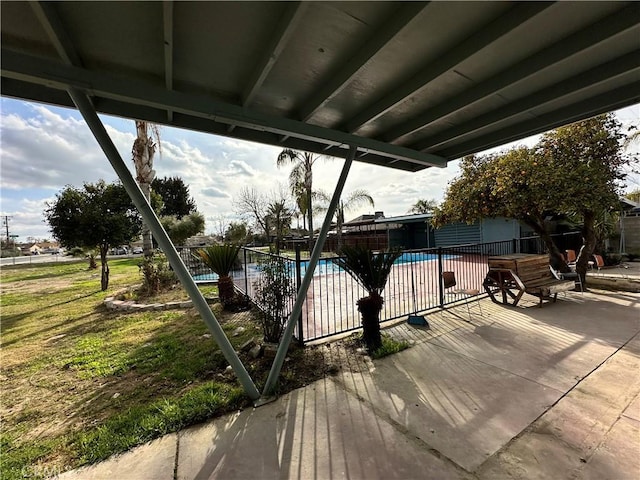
279, 216
424, 206
221, 259
354, 199
301, 182
144, 148
371, 271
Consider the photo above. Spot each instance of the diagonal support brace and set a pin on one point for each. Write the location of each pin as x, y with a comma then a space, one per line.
83, 104
306, 281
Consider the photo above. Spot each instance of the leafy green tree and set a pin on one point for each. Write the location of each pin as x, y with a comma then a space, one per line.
221, 259
424, 206
181, 228
371, 271
591, 154
237, 232
576, 169
301, 182
177, 201
98, 216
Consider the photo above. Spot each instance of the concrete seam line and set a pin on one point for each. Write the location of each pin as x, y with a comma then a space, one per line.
177, 457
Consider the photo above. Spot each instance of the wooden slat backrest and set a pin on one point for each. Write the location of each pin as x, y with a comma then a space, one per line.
531, 269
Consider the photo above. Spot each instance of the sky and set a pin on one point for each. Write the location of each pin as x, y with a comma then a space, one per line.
44, 148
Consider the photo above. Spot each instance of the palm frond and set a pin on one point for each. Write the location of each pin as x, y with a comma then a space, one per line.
368, 269
219, 258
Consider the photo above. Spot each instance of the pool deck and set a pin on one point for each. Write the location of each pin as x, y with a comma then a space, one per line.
512, 393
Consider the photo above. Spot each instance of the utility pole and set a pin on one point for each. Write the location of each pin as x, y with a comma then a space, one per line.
6, 219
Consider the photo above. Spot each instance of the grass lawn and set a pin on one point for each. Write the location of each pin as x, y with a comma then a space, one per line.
80, 383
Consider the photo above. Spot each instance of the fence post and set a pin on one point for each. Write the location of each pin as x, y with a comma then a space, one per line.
298, 284
513, 246
440, 281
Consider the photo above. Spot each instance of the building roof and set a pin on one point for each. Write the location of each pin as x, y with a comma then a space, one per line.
413, 218
410, 84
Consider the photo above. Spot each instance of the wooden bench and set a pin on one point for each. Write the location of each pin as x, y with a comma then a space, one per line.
516, 274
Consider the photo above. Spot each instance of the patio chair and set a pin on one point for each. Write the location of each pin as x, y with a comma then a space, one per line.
599, 262
571, 258
449, 281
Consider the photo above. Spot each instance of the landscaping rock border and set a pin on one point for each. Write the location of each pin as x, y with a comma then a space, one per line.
131, 306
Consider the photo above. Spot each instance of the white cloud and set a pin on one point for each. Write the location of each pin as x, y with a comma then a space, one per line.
214, 193
44, 148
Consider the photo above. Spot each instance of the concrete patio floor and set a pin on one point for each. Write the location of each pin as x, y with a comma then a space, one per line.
519, 392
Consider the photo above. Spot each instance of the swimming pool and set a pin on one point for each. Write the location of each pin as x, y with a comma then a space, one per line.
327, 266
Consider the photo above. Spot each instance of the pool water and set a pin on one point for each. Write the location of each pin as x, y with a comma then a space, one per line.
326, 266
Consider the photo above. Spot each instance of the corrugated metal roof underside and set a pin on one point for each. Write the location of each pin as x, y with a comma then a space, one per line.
412, 84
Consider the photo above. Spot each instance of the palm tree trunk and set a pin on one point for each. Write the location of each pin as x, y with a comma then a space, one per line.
310, 215
143, 151
147, 238
226, 290
369, 308
339, 224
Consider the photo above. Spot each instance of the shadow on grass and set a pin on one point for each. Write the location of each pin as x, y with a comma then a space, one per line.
52, 274
9, 321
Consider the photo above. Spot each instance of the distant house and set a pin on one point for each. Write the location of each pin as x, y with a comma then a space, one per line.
415, 231
362, 230
31, 249
39, 248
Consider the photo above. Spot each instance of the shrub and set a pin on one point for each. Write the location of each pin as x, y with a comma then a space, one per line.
275, 293
157, 274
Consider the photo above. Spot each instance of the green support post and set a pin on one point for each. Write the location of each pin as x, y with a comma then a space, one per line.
99, 132
306, 281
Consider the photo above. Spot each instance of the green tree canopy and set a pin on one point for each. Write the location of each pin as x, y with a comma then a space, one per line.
179, 229
97, 216
576, 169
175, 197
237, 232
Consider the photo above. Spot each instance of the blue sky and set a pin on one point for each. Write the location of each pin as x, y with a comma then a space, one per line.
44, 148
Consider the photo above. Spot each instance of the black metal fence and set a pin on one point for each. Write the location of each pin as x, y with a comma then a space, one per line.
415, 283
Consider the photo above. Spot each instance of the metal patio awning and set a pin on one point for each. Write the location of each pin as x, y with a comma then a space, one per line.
406, 85
410, 84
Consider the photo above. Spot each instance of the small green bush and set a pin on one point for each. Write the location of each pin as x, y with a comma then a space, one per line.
157, 274
275, 291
